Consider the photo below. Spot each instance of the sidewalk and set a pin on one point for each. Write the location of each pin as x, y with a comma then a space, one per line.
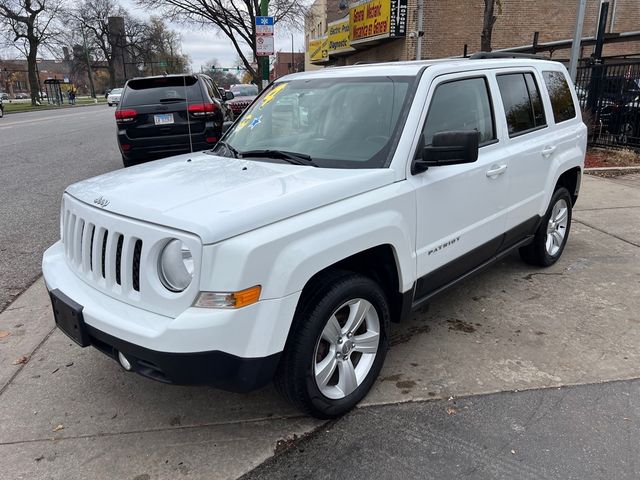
511, 328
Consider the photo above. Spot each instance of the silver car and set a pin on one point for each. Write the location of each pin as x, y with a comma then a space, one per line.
114, 96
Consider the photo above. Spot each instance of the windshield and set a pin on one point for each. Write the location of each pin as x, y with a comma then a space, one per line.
245, 90
337, 122
116, 90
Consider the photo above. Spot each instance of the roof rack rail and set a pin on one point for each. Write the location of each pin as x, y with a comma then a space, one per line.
369, 62
488, 55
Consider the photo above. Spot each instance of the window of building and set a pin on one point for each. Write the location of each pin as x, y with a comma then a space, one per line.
560, 95
522, 102
461, 105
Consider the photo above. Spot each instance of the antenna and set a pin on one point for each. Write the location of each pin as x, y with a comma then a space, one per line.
186, 103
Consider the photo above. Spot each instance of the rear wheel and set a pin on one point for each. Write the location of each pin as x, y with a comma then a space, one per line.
553, 232
337, 344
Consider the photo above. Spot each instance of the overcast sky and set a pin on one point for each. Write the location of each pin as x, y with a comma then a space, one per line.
202, 45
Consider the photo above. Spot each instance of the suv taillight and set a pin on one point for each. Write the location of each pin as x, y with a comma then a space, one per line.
202, 109
126, 115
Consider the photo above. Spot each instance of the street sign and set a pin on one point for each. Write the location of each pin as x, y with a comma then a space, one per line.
264, 26
264, 46
162, 63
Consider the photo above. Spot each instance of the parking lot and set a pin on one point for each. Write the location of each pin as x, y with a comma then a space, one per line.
66, 411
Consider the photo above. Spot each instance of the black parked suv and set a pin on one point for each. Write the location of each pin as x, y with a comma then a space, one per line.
168, 115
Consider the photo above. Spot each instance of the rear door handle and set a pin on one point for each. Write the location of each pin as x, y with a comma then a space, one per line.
496, 170
546, 151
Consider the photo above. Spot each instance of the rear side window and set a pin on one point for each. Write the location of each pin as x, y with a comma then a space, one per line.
150, 91
560, 95
522, 102
460, 105
212, 88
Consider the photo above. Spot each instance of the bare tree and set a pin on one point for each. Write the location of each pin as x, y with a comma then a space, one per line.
233, 18
488, 22
93, 17
160, 49
30, 24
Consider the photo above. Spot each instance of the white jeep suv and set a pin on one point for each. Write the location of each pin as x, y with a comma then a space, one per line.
340, 200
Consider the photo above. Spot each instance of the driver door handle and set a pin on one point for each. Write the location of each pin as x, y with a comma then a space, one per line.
496, 170
546, 151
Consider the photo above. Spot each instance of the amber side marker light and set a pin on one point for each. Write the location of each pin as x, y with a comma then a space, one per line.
239, 299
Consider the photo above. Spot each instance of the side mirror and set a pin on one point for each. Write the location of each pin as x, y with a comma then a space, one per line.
226, 126
228, 95
447, 148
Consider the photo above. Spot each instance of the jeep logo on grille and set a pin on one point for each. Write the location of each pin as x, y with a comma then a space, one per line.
101, 201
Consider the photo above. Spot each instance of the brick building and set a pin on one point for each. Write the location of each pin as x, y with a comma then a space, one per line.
450, 24
286, 63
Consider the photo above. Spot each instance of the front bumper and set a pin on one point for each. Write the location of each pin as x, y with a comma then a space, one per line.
214, 368
232, 349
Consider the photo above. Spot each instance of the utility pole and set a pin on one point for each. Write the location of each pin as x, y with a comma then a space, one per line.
86, 51
577, 40
264, 11
293, 68
419, 32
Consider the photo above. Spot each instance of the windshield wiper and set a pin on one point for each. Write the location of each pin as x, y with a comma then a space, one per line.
228, 147
291, 157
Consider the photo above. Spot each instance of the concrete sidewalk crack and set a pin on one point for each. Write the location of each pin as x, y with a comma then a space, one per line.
606, 233
22, 365
153, 430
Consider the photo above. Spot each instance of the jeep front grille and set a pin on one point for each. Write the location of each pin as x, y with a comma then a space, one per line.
118, 256
100, 253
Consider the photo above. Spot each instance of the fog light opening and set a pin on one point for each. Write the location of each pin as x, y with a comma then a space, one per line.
124, 362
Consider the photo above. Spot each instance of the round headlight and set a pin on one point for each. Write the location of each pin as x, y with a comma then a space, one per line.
176, 266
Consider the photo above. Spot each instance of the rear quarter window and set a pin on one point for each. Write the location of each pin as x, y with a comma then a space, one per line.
151, 91
560, 96
522, 102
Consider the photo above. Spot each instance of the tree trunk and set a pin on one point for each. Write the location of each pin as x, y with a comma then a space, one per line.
34, 85
487, 25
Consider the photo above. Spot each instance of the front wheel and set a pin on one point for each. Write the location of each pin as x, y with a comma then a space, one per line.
553, 232
337, 344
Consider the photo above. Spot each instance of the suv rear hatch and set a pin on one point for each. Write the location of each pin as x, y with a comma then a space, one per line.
159, 106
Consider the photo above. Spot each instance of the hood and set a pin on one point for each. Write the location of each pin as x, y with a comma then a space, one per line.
218, 197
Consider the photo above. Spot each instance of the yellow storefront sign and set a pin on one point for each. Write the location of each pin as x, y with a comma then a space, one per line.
338, 35
318, 50
370, 20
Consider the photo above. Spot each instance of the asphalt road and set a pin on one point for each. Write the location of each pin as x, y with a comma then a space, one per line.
586, 432
40, 154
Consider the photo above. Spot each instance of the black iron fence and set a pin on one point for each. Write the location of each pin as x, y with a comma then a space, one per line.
609, 95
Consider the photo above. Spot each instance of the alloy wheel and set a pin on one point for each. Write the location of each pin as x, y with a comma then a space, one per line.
557, 227
346, 349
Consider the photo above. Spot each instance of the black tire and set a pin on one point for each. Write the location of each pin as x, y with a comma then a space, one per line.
536, 252
127, 162
295, 376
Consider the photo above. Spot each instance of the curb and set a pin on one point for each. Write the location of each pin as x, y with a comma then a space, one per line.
54, 107
620, 170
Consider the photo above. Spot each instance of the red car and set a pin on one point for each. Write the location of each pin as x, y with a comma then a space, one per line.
243, 95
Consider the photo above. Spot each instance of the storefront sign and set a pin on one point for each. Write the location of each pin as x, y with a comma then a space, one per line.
377, 19
318, 50
339, 41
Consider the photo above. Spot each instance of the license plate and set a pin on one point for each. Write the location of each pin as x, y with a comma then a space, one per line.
68, 317
163, 118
